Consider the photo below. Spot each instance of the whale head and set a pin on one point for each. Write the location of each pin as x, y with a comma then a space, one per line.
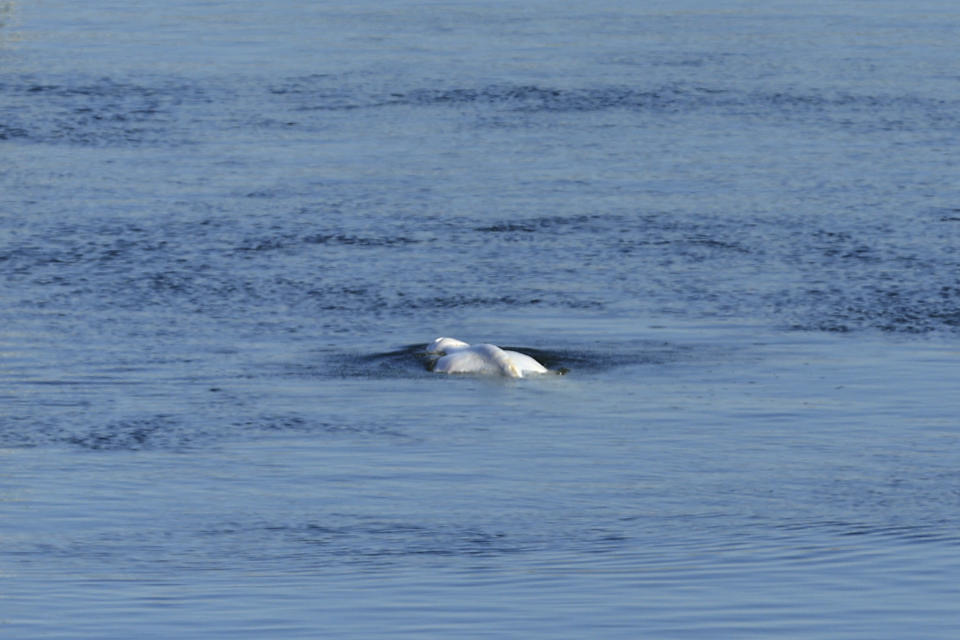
446, 345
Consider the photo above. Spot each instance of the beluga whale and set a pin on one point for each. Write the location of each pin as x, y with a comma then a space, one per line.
456, 356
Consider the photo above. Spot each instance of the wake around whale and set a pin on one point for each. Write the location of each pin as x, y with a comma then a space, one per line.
456, 356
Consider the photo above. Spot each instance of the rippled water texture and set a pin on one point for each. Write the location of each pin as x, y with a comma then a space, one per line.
227, 232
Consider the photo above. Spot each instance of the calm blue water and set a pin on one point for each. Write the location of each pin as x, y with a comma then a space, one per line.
226, 230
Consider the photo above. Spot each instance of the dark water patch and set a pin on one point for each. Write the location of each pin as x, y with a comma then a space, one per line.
8, 132
408, 302
604, 357
901, 316
357, 540
383, 540
318, 543
309, 546
581, 223
920, 533
162, 431
844, 278
359, 241
155, 432
871, 276
845, 246
508, 227
180, 434
332, 239
265, 425
158, 110
626, 232
326, 93
399, 359
539, 99
702, 261
719, 244
102, 111
100, 244
459, 301
947, 214
304, 84
411, 360
864, 111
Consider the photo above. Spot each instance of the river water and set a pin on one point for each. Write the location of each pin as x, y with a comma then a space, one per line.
228, 229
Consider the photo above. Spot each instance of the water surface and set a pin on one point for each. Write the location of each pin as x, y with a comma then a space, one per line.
226, 230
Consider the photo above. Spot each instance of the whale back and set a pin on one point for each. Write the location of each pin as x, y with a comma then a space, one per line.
479, 358
525, 363
500, 359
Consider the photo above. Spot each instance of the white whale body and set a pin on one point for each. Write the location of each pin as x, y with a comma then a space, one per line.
457, 356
